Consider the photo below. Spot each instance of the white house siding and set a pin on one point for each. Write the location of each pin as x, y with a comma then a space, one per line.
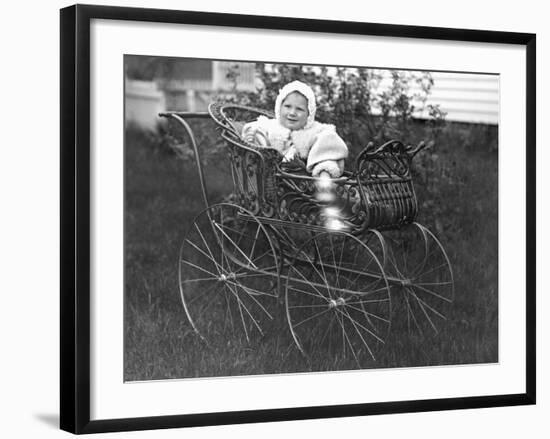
143, 103
465, 97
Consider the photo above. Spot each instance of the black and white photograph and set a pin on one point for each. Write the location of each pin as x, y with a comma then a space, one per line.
297, 218
275, 219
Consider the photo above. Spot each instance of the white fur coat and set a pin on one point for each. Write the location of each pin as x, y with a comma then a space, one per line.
320, 145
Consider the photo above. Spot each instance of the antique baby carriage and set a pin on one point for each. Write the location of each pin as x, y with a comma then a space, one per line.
332, 265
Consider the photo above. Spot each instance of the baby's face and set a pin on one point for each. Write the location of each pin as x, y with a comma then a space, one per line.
294, 111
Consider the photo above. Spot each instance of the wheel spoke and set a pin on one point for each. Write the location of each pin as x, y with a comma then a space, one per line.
220, 239
433, 293
258, 258
267, 252
251, 296
211, 258
364, 270
371, 292
370, 314
308, 306
353, 322
239, 306
254, 242
367, 301
346, 338
422, 263
311, 317
241, 233
412, 314
257, 302
327, 330
324, 276
238, 274
204, 242
202, 295
437, 313
336, 267
318, 296
366, 329
342, 254
235, 245
253, 291
433, 283
395, 265
206, 306
444, 264
323, 279
200, 279
199, 268
421, 304
308, 282
248, 312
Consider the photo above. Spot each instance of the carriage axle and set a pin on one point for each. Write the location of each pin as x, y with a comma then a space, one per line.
226, 277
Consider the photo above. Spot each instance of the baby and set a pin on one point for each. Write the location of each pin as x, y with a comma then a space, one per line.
295, 132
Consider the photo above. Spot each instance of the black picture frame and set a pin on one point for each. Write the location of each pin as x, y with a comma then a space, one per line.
75, 217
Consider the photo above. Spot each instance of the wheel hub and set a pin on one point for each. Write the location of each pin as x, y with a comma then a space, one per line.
335, 303
226, 277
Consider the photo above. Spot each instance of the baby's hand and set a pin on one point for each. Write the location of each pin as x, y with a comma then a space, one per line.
289, 155
256, 136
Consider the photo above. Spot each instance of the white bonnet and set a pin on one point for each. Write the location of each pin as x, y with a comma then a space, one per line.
303, 89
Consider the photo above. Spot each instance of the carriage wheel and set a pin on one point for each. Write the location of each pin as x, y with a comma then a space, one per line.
375, 241
338, 302
421, 268
228, 274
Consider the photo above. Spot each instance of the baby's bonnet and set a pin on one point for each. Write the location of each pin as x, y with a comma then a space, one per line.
303, 89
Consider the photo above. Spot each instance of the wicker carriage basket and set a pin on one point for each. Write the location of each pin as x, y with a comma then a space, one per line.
377, 192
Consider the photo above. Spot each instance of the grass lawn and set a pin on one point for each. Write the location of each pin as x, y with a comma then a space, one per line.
457, 187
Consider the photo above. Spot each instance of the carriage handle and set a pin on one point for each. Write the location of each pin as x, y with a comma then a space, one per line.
419, 148
181, 117
408, 149
282, 173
